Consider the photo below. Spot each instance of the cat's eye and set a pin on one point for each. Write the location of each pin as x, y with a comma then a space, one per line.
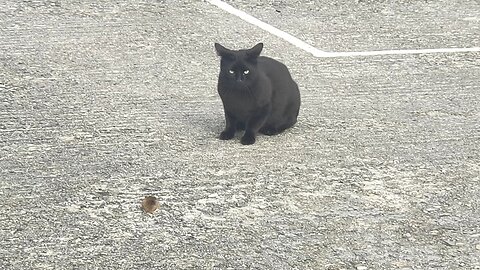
246, 72
231, 71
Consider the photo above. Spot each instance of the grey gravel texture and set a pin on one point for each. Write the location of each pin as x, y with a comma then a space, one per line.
105, 102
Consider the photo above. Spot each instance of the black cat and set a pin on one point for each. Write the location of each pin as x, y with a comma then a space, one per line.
257, 92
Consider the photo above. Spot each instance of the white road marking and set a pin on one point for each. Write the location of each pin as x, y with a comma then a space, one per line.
319, 53
387, 52
267, 27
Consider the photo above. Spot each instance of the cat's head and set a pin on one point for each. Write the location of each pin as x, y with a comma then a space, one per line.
239, 66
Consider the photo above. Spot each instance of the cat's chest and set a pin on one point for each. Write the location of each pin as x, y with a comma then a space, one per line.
242, 104
239, 105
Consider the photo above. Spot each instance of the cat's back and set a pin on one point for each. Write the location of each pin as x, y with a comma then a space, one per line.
273, 68
278, 74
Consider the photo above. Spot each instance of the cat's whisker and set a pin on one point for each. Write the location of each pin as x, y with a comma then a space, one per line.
250, 91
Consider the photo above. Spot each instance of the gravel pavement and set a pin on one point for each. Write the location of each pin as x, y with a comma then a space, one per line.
105, 102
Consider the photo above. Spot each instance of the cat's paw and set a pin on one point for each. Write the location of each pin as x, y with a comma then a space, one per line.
248, 139
226, 135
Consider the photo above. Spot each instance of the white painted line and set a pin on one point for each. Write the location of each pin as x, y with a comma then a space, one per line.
267, 27
390, 52
318, 53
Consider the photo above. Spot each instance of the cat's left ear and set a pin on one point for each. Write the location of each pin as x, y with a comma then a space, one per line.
255, 51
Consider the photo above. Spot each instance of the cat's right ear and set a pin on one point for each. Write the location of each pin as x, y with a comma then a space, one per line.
254, 52
222, 51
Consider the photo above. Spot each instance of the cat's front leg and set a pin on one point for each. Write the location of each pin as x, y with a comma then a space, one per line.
254, 124
230, 127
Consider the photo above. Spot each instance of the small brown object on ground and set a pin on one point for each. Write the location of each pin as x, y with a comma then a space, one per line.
150, 204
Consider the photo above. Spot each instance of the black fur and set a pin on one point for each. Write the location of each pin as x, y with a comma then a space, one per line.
257, 92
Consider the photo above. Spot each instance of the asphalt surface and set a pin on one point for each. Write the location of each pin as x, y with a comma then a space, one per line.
105, 102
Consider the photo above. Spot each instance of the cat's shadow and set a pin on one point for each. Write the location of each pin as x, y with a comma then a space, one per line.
207, 127
204, 126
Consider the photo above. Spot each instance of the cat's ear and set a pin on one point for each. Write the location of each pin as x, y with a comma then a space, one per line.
222, 51
255, 51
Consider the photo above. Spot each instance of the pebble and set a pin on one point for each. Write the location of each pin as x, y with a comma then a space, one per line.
150, 204
213, 195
